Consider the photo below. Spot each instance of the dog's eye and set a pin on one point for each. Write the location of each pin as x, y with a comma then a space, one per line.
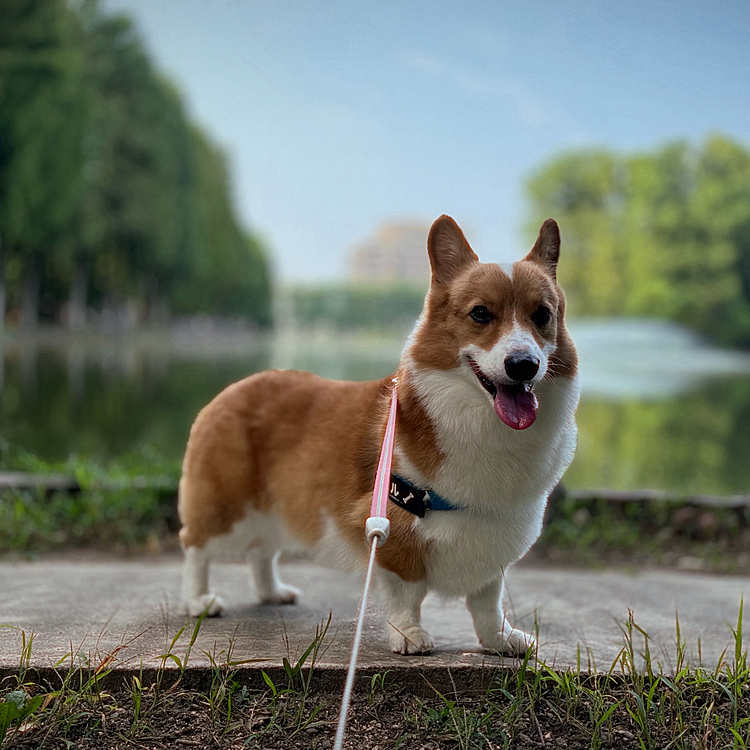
481, 314
541, 316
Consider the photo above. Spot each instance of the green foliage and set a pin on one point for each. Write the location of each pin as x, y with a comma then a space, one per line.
233, 278
126, 504
15, 707
665, 234
396, 306
694, 442
594, 531
40, 122
105, 185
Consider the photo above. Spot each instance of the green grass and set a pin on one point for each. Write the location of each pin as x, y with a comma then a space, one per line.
88, 471
87, 702
656, 533
109, 512
113, 513
635, 703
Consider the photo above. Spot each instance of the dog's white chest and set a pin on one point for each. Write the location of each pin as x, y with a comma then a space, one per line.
502, 478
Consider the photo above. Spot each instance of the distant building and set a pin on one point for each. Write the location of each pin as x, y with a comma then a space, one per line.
398, 252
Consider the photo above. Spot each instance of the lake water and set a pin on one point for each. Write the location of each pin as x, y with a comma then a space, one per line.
659, 408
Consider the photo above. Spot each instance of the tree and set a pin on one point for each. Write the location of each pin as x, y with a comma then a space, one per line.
136, 213
40, 136
225, 270
107, 192
665, 234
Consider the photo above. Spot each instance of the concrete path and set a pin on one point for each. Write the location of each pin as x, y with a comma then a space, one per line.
92, 608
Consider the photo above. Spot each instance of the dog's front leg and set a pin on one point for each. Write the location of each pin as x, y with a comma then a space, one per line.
403, 603
494, 631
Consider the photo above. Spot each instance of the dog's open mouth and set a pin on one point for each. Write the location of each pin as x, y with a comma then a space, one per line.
515, 403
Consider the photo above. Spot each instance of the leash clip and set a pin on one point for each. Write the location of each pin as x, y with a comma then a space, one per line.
377, 527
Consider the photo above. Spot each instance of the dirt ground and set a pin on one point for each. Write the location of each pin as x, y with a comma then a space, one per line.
515, 714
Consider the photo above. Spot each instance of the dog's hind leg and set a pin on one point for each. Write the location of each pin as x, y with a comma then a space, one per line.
494, 631
264, 565
195, 591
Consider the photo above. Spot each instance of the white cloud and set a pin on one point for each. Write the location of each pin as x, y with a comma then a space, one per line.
481, 86
425, 63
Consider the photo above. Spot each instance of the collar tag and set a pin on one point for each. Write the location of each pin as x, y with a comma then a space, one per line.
415, 499
408, 497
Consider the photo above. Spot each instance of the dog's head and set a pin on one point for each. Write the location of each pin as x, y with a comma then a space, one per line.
504, 327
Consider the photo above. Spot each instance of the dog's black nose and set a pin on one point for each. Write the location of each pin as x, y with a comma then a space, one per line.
521, 367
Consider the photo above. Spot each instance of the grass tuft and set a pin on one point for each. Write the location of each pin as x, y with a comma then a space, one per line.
636, 703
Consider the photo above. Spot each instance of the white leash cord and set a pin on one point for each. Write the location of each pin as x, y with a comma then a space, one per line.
377, 528
346, 700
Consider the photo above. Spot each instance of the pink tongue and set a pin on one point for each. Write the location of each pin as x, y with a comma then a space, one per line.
516, 406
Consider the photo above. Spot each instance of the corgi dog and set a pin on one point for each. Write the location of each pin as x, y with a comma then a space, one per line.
487, 393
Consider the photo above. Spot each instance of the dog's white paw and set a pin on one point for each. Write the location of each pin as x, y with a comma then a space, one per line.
211, 604
510, 641
409, 640
282, 594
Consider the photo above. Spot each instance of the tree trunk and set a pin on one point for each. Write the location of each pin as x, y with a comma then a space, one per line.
2, 316
2, 288
78, 296
30, 302
30, 370
157, 308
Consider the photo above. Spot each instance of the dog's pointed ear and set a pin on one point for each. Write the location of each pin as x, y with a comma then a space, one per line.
546, 250
448, 249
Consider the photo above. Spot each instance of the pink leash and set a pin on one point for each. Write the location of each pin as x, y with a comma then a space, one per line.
377, 524
377, 527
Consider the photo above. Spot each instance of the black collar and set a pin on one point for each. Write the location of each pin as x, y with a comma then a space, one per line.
414, 499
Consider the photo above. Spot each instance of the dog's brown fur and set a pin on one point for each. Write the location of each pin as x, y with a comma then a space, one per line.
304, 448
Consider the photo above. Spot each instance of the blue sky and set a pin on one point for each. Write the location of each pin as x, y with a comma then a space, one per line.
340, 115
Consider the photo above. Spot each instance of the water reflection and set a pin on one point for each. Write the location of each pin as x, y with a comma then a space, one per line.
695, 442
648, 359
659, 409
